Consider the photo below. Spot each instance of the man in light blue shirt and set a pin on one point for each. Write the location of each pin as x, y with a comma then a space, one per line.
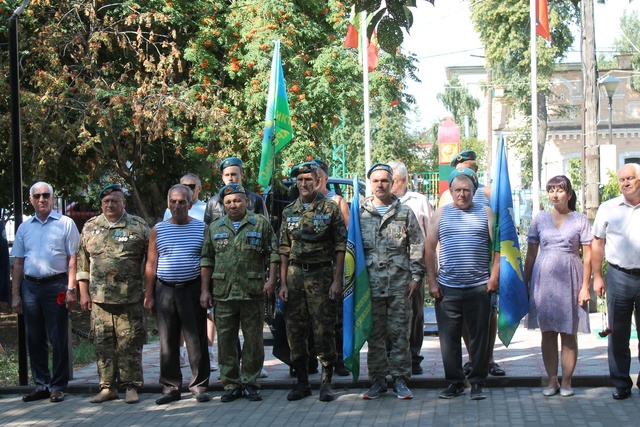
44, 289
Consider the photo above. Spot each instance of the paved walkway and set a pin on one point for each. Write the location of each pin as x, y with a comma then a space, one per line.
513, 400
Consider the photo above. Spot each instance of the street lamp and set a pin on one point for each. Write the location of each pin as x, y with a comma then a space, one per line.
610, 84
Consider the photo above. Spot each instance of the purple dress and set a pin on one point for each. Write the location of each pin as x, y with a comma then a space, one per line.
557, 275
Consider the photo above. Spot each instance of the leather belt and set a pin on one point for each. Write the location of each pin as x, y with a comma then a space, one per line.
179, 285
45, 280
311, 266
629, 271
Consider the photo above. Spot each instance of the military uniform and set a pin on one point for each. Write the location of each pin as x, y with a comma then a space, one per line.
393, 246
111, 259
310, 239
237, 259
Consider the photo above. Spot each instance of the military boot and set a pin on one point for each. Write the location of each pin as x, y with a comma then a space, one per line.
302, 389
326, 394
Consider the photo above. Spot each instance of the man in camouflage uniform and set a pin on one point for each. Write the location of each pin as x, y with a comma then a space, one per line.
236, 248
393, 248
110, 255
312, 236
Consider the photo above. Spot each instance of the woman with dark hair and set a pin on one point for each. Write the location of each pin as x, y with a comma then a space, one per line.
559, 281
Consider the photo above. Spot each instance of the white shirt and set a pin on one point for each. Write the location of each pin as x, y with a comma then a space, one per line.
420, 207
196, 211
619, 223
46, 246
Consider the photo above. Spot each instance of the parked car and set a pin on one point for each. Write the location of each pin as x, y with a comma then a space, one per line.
80, 213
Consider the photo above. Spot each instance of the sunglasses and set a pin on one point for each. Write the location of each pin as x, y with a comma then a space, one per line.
39, 195
191, 186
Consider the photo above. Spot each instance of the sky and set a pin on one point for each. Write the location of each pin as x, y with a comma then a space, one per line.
443, 36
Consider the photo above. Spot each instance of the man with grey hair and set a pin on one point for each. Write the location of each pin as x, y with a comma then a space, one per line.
461, 281
172, 290
422, 209
616, 230
44, 289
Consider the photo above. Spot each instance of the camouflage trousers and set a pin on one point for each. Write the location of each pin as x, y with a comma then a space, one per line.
118, 333
310, 309
230, 316
391, 323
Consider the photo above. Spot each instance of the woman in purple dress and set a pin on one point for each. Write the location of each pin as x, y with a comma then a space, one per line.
559, 281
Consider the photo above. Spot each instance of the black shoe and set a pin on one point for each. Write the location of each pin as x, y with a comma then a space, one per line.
341, 370
416, 369
202, 397
168, 398
476, 392
36, 395
231, 395
619, 394
251, 394
56, 396
313, 369
452, 391
300, 392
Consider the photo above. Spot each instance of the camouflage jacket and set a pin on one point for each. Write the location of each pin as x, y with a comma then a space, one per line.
312, 235
238, 257
111, 259
393, 248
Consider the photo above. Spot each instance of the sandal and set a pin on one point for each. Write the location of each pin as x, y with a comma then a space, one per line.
496, 370
467, 368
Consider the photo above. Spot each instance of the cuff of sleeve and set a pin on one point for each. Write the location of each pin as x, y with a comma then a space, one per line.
204, 262
82, 275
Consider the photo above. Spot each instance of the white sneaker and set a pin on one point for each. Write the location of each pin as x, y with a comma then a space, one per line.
183, 361
213, 365
263, 374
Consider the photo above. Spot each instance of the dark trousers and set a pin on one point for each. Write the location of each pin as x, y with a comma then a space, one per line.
179, 310
472, 306
416, 332
45, 319
623, 295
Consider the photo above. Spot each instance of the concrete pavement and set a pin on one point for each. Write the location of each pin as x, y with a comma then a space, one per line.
513, 400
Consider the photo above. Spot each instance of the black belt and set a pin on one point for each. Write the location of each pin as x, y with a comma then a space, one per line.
312, 266
629, 271
178, 285
44, 280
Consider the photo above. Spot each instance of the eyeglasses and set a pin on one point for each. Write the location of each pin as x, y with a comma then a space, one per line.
191, 186
43, 195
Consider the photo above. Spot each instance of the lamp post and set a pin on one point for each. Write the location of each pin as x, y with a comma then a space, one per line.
610, 84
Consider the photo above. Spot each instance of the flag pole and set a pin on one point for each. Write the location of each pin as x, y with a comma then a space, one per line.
535, 185
364, 42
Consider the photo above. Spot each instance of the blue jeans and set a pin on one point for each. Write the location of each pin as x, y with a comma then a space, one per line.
46, 319
623, 294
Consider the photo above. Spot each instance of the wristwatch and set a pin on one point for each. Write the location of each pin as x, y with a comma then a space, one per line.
72, 290
416, 278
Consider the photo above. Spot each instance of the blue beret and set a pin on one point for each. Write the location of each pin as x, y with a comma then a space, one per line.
231, 189
306, 167
323, 165
464, 171
231, 161
379, 167
110, 189
463, 157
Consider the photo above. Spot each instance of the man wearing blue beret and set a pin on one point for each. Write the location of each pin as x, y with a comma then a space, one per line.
461, 281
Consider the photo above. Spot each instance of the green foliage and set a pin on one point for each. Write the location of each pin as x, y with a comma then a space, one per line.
457, 99
611, 189
388, 20
630, 27
142, 92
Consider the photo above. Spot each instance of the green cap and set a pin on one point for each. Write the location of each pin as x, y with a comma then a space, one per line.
463, 157
110, 189
379, 167
231, 161
306, 167
464, 171
231, 189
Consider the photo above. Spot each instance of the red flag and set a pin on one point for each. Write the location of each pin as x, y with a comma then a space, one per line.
542, 20
353, 40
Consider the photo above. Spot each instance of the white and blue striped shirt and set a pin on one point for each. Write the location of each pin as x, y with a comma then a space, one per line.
465, 247
179, 250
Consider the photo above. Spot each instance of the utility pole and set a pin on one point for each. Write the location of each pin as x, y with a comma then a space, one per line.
590, 146
489, 143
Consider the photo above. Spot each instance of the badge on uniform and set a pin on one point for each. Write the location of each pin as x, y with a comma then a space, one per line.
292, 222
